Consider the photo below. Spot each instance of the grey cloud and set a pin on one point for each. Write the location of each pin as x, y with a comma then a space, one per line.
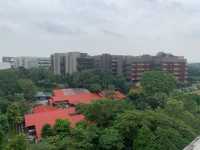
99, 24
111, 33
59, 28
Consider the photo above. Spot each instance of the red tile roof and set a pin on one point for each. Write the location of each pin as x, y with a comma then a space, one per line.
80, 96
42, 108
73, 96
49, 117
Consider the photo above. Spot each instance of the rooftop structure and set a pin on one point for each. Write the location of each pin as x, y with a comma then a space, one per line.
61, 106
72, 97
43, 115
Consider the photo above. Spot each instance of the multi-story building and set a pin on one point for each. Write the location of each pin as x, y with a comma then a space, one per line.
57, 63
32, 62
44, 62
132, 67
27, 62
163, 62
68, 63
110, 63
10, 60
85, 62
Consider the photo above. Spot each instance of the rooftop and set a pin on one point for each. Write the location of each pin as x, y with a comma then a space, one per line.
73, 96
44, 115
77, 96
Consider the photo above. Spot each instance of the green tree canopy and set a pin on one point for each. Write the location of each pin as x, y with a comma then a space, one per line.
103, 112
110, 139
27, 87
14, 115
19, 142
62, 127
47, 130
158, 82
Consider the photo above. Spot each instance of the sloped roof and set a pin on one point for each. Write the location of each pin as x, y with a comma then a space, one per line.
74, 96
43, 108
40, 119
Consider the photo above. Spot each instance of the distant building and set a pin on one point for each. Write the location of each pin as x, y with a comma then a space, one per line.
85, 62
131, 67
10, 60
4, 66
163, 62
28, 62
68, 63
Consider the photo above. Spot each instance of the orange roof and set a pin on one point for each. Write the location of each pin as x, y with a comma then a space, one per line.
49, 117
43, 108
74, 96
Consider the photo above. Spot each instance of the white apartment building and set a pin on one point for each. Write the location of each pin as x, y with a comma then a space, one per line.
28, 62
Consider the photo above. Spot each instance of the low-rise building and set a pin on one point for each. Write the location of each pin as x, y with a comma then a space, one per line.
61, 106
43, 115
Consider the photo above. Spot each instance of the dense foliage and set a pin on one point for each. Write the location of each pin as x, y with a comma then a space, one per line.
154, 116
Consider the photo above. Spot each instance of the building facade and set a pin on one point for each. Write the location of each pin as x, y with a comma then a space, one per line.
69, 63
27, 62
163, 62
131, 67
9, 60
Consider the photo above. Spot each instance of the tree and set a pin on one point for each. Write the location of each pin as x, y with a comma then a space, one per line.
110, 139
103, 112
4, 123
17, 143
14, 115
4, 103
62, 127
84, 138
8, 84
127, 124
27, 87
174, 107
158, 82
47, 131
42, 146
158, 100
145, 139
1, 138
95, 88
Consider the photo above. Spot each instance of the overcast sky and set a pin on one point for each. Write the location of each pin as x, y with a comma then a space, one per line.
42, 27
